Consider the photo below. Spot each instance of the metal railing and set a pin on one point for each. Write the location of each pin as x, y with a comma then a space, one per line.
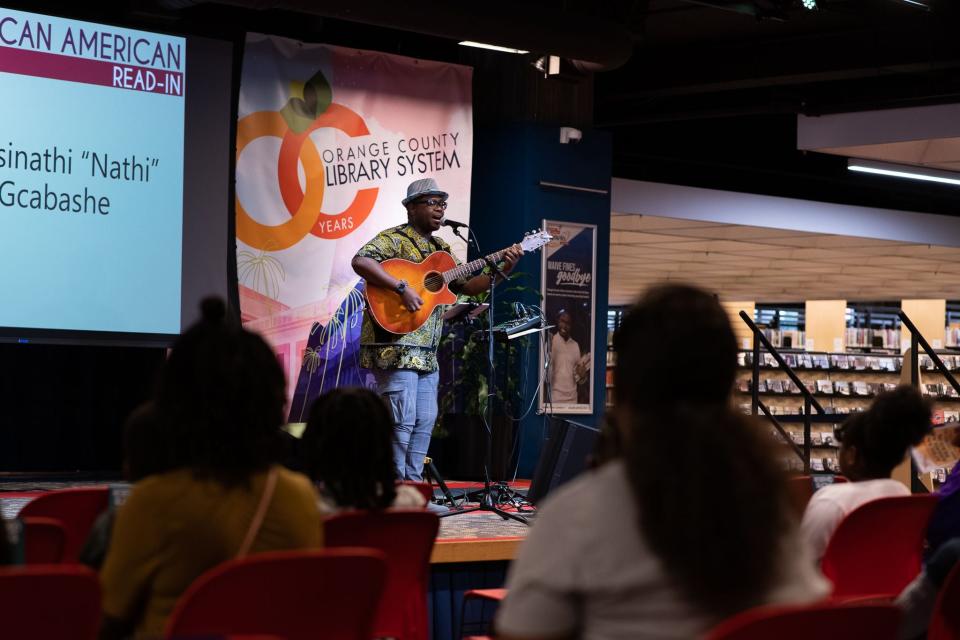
809, 402
917, 340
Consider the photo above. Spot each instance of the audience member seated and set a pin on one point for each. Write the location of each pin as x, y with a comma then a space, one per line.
347, 449
917, 600
872, 444
945, 521
145, 453
690, 524
220, 399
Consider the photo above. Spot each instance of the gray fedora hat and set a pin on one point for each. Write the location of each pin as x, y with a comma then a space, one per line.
423, 187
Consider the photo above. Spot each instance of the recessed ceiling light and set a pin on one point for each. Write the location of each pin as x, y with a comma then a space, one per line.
492, 47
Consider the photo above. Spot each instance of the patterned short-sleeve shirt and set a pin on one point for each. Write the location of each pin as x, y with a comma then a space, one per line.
418, 349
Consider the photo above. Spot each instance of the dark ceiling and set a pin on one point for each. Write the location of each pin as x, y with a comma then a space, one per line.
708, 94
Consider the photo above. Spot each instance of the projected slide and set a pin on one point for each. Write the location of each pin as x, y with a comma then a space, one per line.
91, 176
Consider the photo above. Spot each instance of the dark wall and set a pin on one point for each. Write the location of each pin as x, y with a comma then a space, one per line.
509, 164
62, 407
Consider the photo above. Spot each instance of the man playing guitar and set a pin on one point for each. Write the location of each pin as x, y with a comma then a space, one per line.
405, 365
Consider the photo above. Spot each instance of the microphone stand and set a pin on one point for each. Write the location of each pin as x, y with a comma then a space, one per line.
486, 501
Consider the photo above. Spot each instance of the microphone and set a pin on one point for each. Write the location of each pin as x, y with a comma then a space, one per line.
453, 224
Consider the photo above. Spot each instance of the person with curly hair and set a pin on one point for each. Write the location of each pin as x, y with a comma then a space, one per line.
872, 444
347, 449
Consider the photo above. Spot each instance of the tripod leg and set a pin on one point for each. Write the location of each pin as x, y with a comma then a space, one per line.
432, 469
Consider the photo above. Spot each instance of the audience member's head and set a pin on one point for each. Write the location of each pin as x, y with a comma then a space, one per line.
348, 448
874, 442
146, 448
221, 398
706, 481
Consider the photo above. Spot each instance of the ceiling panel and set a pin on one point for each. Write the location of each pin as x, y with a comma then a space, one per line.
774, 265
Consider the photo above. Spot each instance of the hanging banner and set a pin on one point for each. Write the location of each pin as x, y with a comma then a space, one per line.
328, 139
569, 290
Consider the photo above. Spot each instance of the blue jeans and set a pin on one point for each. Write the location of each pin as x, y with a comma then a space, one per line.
412, 396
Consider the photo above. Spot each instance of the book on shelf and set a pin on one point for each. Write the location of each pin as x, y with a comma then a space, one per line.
841, 387
937, 417
790, 359
811, 386
951, 416
796, 437
874, 388
790, 387
873, 364
745, 408
949, 391
827, 438
931, 389
816, 464
806, 361
821, 361
741, 359
825, 386
859, 388
831, 465
744, 385
889, 386
775, 386
816, 438
859, 363
840, 361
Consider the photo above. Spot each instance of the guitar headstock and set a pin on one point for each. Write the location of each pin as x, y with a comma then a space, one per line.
533, 240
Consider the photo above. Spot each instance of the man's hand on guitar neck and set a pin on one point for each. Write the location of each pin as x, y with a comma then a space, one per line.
481, 283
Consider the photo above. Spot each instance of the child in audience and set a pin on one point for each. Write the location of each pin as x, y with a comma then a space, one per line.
220, 400
145, 453
347, 449
872, 444
690, 524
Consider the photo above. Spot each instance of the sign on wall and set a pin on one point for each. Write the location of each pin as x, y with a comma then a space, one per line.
328, 139
569, 290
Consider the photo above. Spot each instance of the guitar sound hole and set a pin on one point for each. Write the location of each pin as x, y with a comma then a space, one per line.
433, 282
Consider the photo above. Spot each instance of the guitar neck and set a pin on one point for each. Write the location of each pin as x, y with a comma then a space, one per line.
469, 268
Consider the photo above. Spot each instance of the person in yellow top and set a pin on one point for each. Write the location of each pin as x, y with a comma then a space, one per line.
220, 401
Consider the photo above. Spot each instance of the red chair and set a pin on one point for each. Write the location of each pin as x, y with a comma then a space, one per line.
296, 595
945, 621
483, 596
43, 540
76, 509
425, 489
48, 601
877, 549
822, 620
406, 537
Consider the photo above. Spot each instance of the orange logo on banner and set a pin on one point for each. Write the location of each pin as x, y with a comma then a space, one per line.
303, 206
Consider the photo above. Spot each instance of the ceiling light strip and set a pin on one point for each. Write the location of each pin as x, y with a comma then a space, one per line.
902, 171
492, 47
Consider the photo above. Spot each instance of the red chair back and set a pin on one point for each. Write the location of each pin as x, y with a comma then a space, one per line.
48, 601
945, 621
822, 620
877, 549
406, 537
76, 509
296, 595
425, 489
43, 540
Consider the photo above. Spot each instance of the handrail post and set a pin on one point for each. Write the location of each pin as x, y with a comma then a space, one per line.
914, 361
755, 387
806, 435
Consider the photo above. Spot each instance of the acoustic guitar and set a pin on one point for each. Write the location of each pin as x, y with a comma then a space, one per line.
430, 279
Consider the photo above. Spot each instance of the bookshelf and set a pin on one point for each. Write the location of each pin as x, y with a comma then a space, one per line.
843, 383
